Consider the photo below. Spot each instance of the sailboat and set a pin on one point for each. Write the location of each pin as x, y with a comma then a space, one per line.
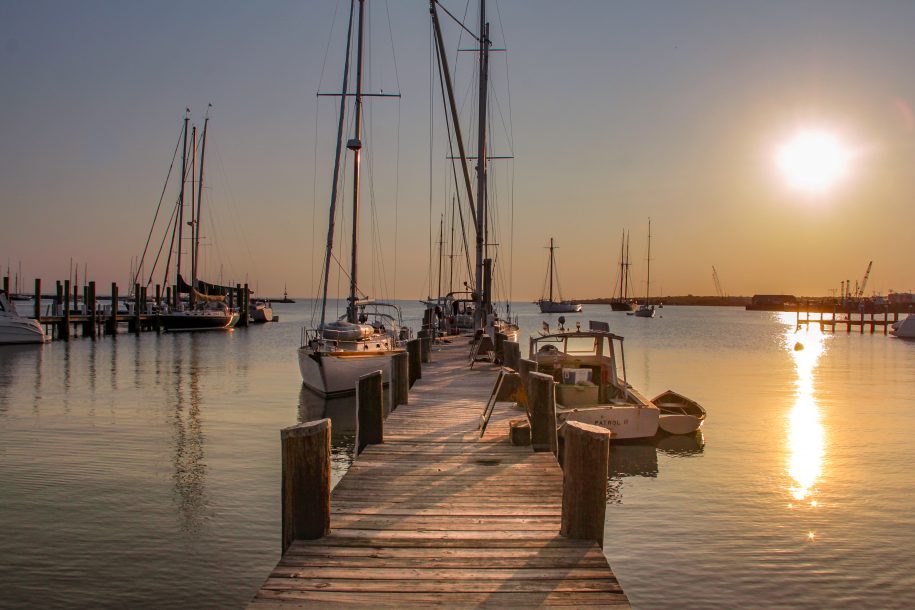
621, 300
645, 310
560, 306
485, 317
333, 355
205, 308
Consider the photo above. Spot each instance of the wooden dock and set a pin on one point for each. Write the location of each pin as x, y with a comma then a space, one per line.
438, 516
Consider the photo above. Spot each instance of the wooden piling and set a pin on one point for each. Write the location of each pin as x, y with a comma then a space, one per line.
370, 411
400, 379
542, 412
64, 328
501, 338
113, 318
586, 459
525, 368
37, 299
425, 348
416, 367
245, 306
93, 313
136, 309
6, 284
512, 355
305, 481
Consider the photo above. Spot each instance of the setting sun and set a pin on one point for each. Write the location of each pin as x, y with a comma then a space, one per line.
813, 161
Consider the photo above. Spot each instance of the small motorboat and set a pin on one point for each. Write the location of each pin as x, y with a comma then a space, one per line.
18, 329
679, 414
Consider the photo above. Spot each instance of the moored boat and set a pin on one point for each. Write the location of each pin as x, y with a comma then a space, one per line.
590, 370
679, 414
548, 305
905, 328
15, 329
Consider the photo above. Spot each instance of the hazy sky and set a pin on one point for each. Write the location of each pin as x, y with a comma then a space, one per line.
618, 111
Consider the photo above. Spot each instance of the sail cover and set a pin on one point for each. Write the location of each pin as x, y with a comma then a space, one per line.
203, 289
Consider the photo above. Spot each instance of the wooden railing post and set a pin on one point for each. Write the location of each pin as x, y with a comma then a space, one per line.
38, 299
305, 481
525, 368
369, 411
586, 460
416, 367
93, 314
512, 355
542, 412
400, 379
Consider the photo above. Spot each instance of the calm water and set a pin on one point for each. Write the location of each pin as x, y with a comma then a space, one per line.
144, 472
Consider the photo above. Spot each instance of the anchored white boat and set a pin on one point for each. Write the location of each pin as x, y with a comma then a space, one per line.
590, 368
261, 311
645, 310
333, 355
560, 306
905, 328
16, 329
679, 414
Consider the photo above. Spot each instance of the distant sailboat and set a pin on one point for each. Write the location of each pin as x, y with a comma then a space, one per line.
560, 306
205, 308
645, 310
621, 300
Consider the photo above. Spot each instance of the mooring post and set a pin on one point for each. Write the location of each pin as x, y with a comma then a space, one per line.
136, 308
425, 347
586, 460
512, 355
93, 313
6, 284
64, 328
245, 305
542, 412
370, 411
306, 481
58, 299
113, 318
525, 368
400, 379
38, 299
501, 338
416, 368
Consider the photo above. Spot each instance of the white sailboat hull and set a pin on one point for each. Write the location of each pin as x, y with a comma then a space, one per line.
15, 330
625, 421
547, 306
334, 374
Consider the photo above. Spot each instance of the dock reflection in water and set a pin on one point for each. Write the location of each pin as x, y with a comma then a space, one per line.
639, 458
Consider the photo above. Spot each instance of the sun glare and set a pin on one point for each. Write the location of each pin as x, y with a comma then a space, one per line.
813, 161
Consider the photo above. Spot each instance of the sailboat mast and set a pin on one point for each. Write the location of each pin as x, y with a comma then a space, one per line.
356, 146
333, 188
481, 163
451, 256
441, 245
648, 282
203, 148
551, 270
628, 264
193, 221
181, 197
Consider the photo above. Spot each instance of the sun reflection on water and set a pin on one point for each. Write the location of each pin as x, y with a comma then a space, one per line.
806, 436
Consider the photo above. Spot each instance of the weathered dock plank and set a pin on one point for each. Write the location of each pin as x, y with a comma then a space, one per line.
437, 515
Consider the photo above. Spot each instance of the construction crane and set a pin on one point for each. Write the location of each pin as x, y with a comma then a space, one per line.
859, 294
718, 288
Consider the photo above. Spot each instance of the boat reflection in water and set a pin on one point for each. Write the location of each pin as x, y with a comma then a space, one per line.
342, 415
639, 458
806, 438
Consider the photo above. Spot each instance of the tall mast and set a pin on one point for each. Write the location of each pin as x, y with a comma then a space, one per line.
622, 263
193, 221
481, 163
333, 188
648, 282
628, 264
451, 256
181, 206
441, 246
551, 270
203, 148
355, 145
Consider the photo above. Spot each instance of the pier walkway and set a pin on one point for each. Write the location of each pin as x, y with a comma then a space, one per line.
437, 515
